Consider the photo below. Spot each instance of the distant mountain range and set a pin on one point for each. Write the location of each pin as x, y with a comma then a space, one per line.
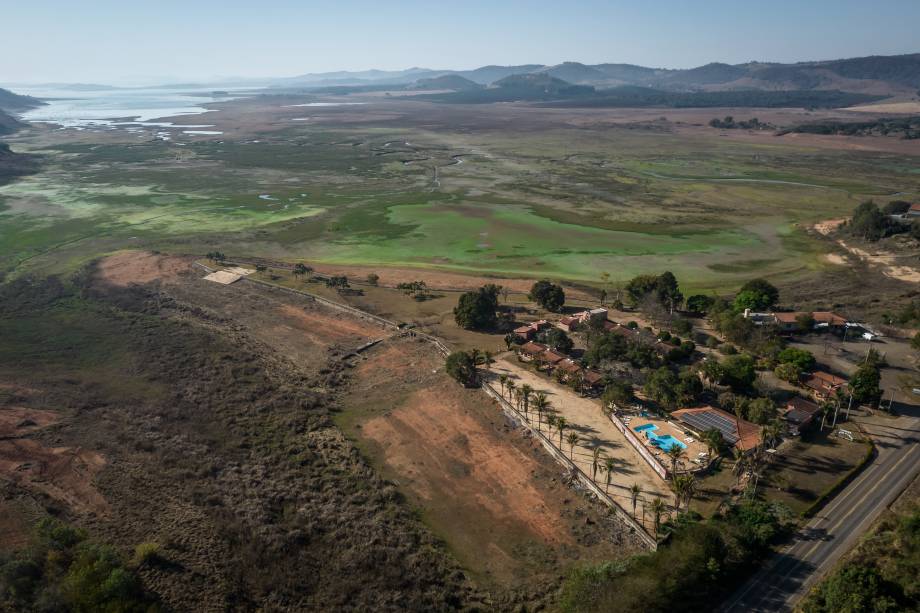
876, 75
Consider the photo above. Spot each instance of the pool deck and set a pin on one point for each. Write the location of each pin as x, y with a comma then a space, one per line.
694, 446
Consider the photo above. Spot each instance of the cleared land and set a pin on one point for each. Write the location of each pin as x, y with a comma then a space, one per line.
494, 496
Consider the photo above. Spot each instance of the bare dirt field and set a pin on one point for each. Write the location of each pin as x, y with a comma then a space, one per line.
494, 496
64, 474
127, 267
18, 421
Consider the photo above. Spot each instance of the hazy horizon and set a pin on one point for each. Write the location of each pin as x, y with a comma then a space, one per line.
118, 44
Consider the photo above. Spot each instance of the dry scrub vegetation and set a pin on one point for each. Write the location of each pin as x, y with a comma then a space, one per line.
218, 450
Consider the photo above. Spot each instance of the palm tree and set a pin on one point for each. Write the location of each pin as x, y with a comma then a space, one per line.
771, 433
674, 452
595, 461
560, 426
634, 492
689, 489
502, 380
577, 381
476, 355
572, 439
525, 394
540, 403
609, 466
487, 360
713, 439
677, 484
551, 422
657, 510
684, 490
518, 397
511, 385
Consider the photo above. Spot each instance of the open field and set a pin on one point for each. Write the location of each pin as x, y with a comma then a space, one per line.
507, 191
496, 498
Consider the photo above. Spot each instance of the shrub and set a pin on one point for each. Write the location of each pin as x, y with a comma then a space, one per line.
146, 553
803, 359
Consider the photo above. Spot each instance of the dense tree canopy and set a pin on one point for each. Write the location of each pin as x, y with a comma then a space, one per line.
757, 295
801, 358
548, 295
664, 288
461, 365
476, 310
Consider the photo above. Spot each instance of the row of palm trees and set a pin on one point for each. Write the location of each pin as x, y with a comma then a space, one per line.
525, 398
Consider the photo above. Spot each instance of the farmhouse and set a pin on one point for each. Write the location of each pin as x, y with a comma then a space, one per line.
569, 368
593, 381
528, 352
800, 414
823, 384
527, 333
551, 358
914, 210
789, 322
571, 323
741, 434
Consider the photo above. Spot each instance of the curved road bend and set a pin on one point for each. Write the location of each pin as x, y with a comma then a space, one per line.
815, 549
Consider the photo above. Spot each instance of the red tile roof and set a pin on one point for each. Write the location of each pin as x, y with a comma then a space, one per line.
532, 348
552, 357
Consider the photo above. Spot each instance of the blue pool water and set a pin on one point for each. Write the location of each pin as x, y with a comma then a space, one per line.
662, 442
666, 442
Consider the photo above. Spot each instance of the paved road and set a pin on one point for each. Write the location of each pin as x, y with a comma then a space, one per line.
837, 528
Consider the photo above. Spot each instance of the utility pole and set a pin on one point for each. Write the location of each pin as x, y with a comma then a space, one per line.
849, 406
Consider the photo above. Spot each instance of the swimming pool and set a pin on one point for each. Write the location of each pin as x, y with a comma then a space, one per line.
666, 442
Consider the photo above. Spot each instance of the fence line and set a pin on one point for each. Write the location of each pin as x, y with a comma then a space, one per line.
651, 460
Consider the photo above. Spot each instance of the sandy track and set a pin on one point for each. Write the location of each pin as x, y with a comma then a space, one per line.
887, 262
585, 418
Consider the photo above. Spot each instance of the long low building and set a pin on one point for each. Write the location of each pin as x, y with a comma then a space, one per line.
737, 432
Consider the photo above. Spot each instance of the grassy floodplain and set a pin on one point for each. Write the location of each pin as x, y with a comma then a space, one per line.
416, 184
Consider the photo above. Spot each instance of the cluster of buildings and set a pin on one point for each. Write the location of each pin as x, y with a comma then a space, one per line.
789, 322
552, 361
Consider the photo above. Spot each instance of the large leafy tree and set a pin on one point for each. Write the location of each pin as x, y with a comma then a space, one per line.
739, 371
559, 340
461, 365
864, 384
869, 223
548, 295
661, 386
757, 295
804, 360
476, 310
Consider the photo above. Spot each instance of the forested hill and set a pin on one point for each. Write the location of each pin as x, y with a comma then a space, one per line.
12, 102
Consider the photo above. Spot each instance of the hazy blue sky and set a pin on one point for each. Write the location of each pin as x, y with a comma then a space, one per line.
114, 40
